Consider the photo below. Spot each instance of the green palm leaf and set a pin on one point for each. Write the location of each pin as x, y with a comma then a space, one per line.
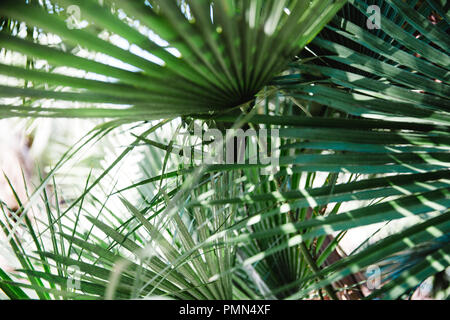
362, 115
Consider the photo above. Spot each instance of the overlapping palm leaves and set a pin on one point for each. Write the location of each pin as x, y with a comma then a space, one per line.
398, 74
383, 100
203, 55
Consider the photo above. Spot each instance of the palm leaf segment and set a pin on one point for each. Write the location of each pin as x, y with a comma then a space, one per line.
184, 57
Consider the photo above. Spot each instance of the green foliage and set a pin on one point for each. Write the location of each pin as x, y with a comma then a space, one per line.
363, 116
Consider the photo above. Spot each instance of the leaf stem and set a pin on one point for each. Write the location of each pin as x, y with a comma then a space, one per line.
312, 264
